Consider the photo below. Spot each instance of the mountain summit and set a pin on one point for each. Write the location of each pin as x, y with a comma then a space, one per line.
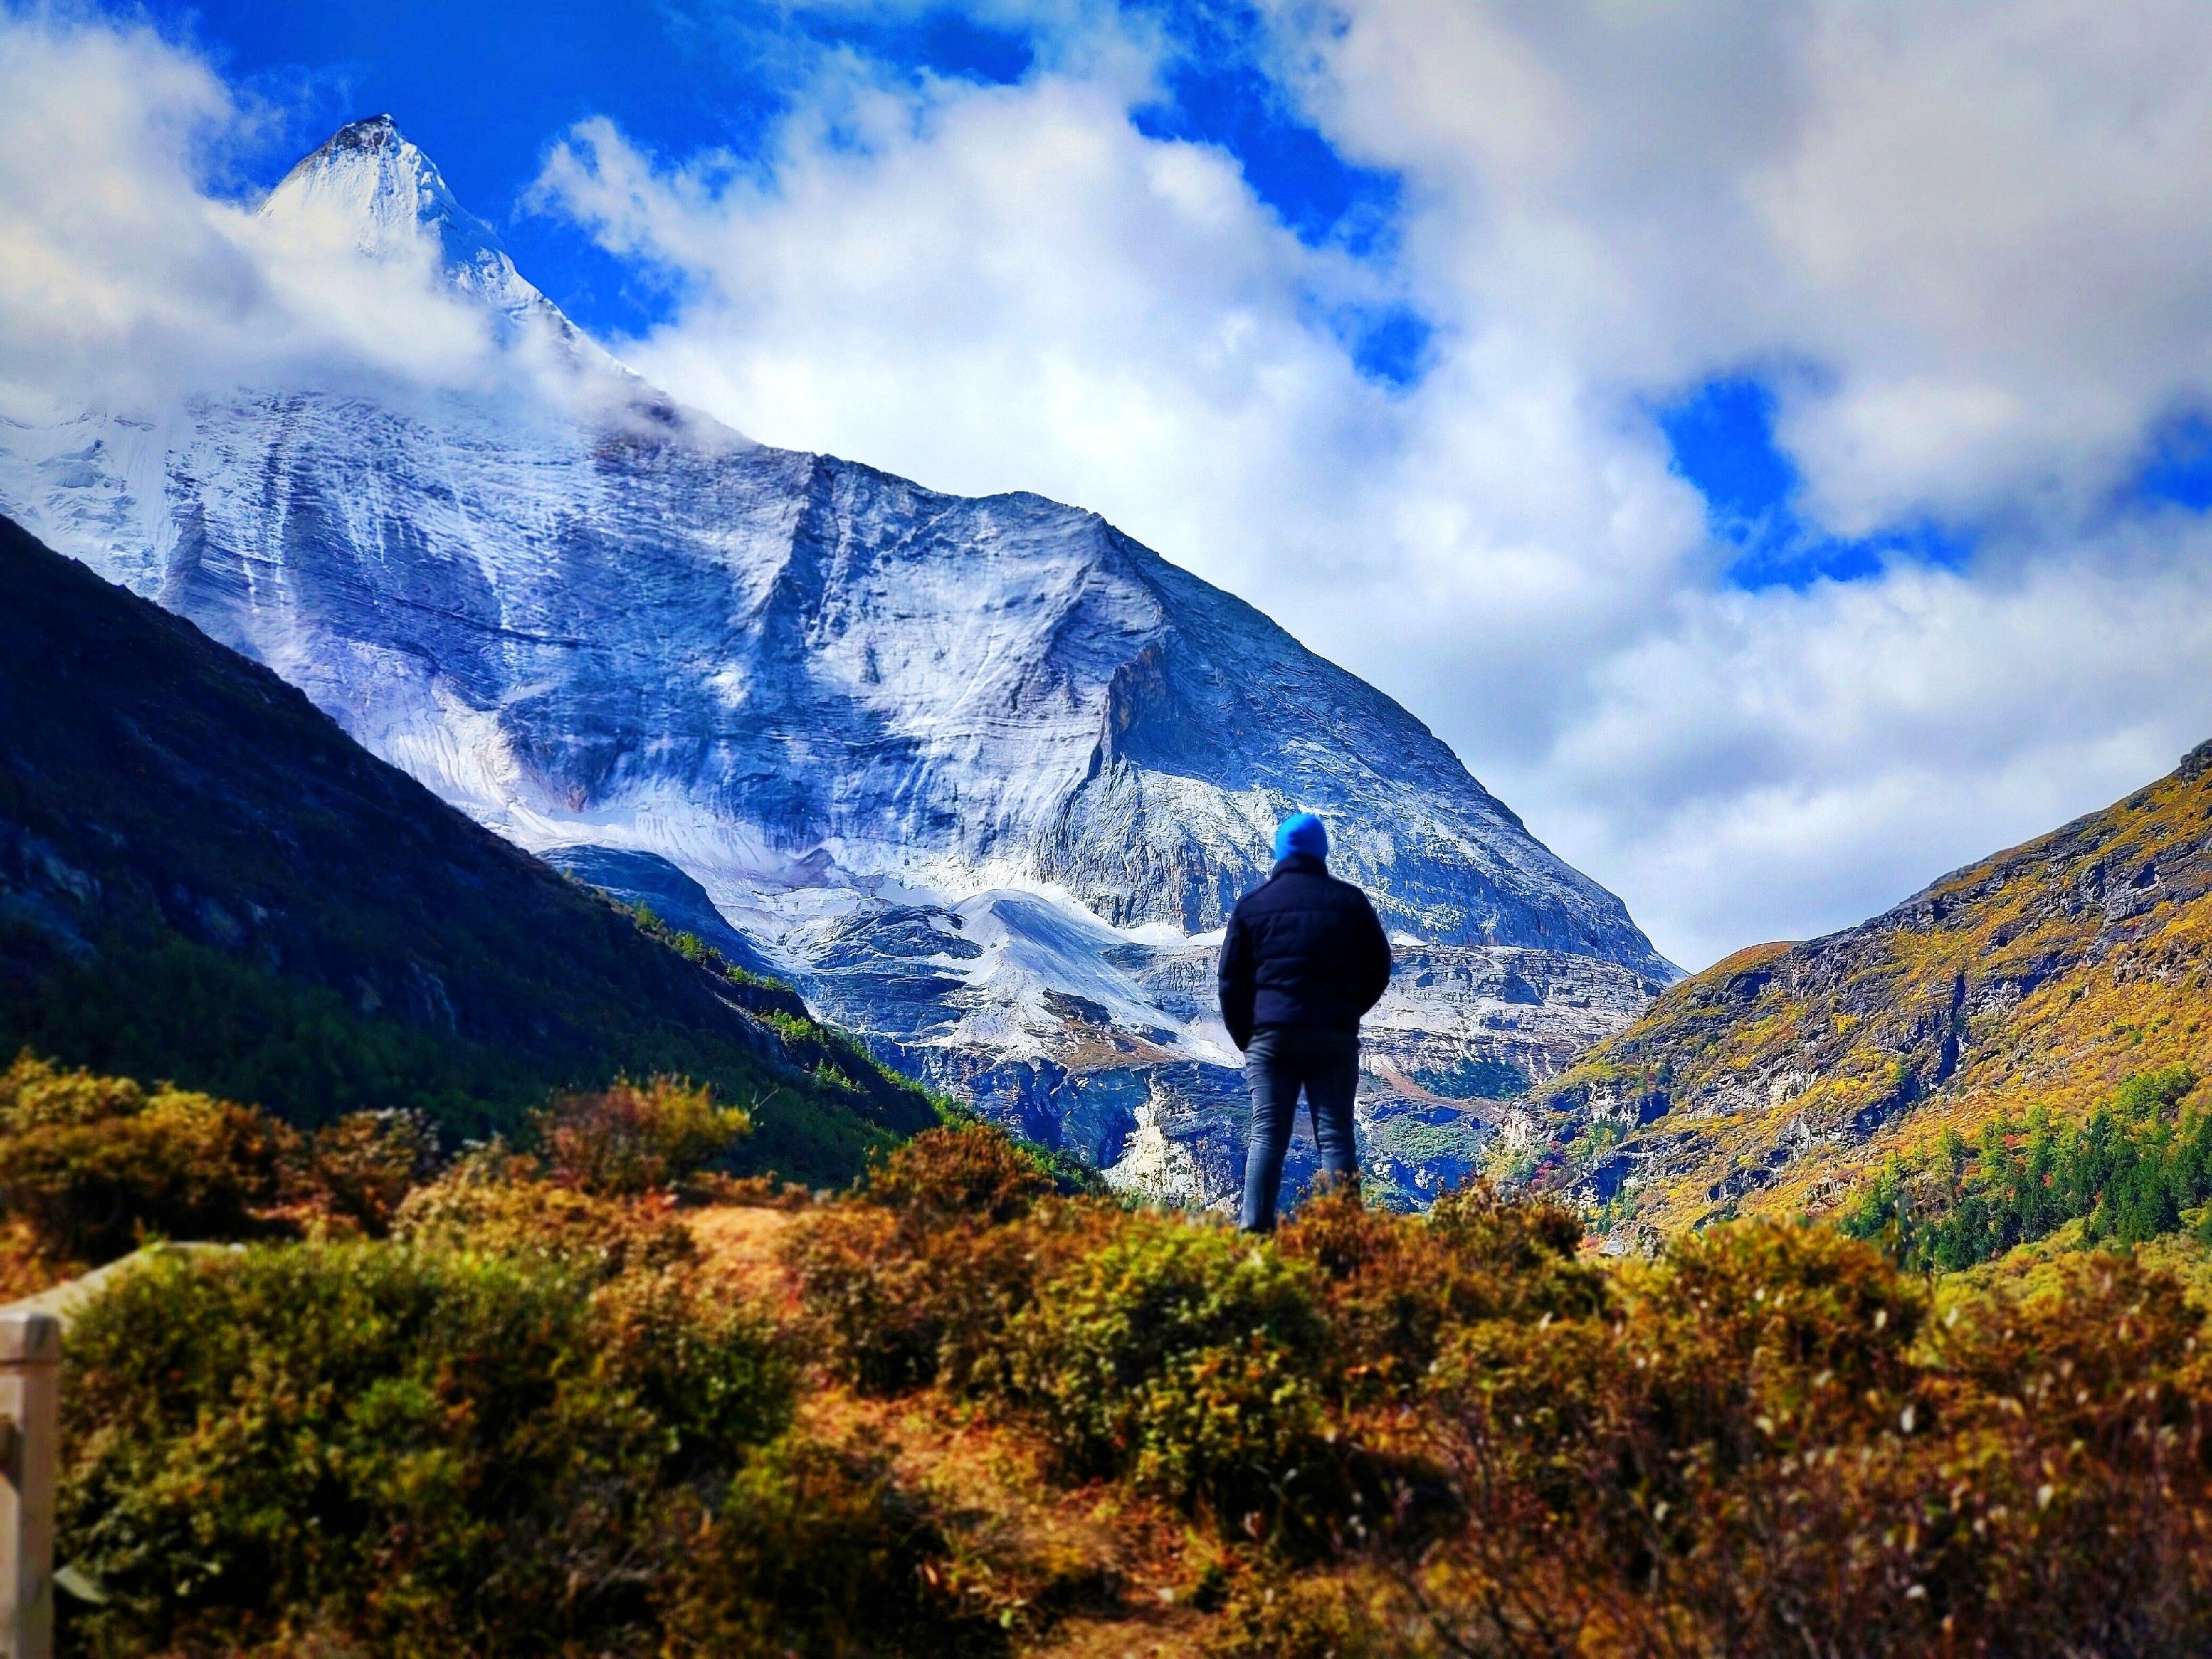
368, 184
981, 775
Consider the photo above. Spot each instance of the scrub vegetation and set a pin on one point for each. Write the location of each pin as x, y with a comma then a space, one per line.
586, 1391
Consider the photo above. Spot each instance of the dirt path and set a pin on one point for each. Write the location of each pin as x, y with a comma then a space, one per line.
741, 1238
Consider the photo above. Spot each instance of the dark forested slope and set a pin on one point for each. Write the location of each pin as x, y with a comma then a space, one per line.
203, 878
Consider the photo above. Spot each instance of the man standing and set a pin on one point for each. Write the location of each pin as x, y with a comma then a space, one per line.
1303, 959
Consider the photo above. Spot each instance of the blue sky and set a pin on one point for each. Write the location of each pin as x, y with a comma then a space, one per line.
487, 89
1772, 445
1721, 436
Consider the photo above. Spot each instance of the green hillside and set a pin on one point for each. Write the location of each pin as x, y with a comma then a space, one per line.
2026, 990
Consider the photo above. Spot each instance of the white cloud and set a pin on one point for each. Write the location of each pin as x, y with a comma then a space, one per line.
1969, 242
1002, 290
128, 277
1986, 222
1974, 236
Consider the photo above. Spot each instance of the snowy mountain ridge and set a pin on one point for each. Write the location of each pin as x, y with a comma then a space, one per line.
369, 186
983, 776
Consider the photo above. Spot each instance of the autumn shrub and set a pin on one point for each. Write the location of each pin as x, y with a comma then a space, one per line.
534, 1421
1762, 1450
631, 1137
357, 1171
961, 1174
94, 1164
1183, 1356
419, 1452
711, 1372
2024, 1482
2085, 1401
816, 1551
1394, 1287
1757, 1336
1279, 1616
913, 1277
497, 1200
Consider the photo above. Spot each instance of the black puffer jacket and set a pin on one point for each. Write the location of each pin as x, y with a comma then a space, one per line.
1302, 949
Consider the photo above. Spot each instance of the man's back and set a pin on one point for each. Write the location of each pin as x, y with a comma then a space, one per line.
1304, 948
1301, 959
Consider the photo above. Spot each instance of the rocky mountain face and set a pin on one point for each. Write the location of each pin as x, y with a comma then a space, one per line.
203, 878
1778, 1081
982, 777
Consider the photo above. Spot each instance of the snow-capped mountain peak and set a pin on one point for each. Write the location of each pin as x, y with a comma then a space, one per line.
369, 186
983, 776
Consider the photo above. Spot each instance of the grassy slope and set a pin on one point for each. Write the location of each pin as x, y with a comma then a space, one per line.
203, 878
1776, 1081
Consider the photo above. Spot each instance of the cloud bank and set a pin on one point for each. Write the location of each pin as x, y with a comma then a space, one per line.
1962, 248
134, 269
1963, 245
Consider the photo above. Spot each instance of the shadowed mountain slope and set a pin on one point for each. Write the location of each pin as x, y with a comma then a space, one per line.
1778, 1080
201, 878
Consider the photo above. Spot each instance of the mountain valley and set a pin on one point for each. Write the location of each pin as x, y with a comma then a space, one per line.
203, 879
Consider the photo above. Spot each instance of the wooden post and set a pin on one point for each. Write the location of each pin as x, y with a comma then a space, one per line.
30, 1427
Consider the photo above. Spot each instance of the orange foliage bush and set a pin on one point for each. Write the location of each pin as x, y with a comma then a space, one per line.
359, 1170
913, 1277
1760, 1444
1392, 1289
631, 1137
1753, 1454
94, 1164
1450, 1434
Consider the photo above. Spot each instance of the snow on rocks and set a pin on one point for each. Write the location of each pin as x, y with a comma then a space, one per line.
983, 777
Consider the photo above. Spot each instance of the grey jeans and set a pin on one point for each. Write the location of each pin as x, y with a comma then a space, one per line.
1281, 1060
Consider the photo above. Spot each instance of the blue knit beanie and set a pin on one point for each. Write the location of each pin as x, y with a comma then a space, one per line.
1301, 832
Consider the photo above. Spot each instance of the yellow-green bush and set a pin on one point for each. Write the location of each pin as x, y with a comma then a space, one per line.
424, 1453
1183, 1355
496, 1199
912, 1278
815, 1551
93, 1163
1394, 1288
372, 1447
630, 1138
1174, 1353
526, 1425
1277, 1616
